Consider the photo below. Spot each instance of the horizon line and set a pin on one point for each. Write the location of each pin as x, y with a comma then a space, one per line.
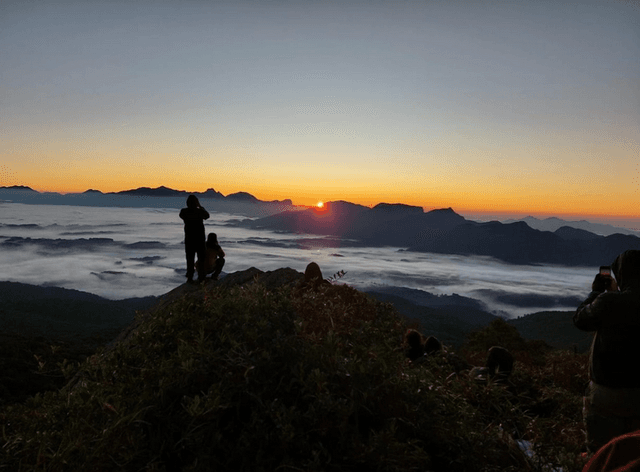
484, 213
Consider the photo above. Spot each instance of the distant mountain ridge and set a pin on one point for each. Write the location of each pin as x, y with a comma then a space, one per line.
445, 232
61, 313
163, 197
161, 191
553, 224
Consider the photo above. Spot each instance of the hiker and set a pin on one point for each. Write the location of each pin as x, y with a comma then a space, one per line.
213, 261
498, 366
611, 406
193, 217
414, 346
432, 345
312, 278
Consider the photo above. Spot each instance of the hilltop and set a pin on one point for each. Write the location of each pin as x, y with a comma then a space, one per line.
257, 373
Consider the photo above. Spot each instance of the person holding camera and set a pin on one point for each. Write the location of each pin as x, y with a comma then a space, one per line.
194, 238
612, 310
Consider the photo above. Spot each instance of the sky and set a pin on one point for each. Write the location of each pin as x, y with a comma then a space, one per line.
488, 106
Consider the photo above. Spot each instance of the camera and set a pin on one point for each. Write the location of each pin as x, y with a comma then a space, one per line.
605, 270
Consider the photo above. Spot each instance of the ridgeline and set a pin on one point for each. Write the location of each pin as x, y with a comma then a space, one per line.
259, 373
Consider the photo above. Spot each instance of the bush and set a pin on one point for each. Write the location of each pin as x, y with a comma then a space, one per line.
252, 379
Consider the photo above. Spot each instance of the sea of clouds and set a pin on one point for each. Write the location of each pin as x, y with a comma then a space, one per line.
134, 252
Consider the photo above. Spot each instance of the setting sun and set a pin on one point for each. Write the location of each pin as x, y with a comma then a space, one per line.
320, 205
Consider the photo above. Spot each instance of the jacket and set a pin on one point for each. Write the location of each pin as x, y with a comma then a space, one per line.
194, 223
615, 317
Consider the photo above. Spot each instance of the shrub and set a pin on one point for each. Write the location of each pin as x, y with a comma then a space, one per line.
252, 379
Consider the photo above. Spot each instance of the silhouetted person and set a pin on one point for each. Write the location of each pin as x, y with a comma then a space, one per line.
415, 348
499, 363
498, 366
214, 259
612, 310
312, 277
193, 217
432, 345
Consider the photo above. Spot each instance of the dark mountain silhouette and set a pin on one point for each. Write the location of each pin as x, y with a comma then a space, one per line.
163, 191
58, 313
399, 208
569, 233
554, 223
72, 315
162, 197
19, 188
555, 328
389, 225
449, 318
445, 232
243, 196
518, 243
150, 192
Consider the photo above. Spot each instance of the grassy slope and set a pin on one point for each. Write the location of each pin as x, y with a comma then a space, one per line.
246, 378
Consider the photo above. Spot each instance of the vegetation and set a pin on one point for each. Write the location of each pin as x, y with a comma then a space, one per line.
246, 378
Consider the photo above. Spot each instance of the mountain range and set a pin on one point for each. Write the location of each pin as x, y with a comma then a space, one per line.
161, 197
443, 231
161, 191
446, 232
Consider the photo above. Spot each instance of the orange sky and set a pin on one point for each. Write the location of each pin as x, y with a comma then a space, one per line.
529, 109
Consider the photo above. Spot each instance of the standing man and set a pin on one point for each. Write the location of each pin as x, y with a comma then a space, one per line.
612, 310
194, 237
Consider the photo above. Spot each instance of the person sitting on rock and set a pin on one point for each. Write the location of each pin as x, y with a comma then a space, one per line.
213, 261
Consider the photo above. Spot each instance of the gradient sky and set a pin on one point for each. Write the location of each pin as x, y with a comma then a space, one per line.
528, 107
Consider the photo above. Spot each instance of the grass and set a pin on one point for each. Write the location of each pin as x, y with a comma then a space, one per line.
251, 379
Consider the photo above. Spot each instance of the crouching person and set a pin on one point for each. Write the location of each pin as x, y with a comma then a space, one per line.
612, 310
213, 261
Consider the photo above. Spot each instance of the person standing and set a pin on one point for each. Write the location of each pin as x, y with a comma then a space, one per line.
612, 310
194, 237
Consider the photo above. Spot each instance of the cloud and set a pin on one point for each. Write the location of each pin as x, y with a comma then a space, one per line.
128, 264
528, 300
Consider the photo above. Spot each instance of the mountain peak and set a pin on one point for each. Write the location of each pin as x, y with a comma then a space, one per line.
18, 187
398, 207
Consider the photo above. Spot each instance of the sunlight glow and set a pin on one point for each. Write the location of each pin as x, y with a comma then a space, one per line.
320, 205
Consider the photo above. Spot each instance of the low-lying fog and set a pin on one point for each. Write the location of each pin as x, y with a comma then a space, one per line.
133, 252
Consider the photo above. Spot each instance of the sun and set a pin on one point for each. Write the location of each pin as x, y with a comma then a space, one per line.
320, 205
